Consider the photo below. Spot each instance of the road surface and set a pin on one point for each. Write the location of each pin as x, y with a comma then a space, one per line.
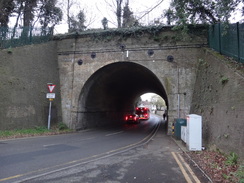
131, 153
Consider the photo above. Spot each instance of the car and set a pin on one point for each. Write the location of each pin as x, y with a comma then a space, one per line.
132, 118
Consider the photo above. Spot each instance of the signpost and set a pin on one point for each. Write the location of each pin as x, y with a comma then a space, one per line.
51, 97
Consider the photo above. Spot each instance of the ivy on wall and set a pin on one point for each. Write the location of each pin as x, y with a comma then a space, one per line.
152, 32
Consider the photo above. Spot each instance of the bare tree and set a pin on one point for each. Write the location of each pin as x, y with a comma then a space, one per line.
67, 7
18, 10
68, 14
116, 7
119, 12
150, 10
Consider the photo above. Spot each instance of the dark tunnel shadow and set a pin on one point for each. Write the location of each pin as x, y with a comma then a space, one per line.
112, 91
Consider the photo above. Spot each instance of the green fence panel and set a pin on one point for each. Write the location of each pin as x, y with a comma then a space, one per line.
214, 37
228, 40
241, 43
10, 37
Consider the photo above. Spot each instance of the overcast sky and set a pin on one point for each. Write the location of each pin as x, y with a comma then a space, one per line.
96, 10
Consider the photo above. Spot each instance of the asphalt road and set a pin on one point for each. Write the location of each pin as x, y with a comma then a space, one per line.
122, 154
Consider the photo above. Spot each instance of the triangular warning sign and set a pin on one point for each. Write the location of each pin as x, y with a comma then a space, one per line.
51, 88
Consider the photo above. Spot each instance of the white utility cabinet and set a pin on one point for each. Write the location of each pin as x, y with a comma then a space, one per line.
194, 132
183, 133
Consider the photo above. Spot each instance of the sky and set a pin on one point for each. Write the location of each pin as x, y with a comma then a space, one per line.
98, 9
147, 96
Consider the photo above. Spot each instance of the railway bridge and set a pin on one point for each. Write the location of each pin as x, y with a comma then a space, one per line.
103, 74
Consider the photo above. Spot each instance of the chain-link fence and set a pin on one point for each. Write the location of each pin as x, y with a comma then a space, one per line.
228, 39
14, 37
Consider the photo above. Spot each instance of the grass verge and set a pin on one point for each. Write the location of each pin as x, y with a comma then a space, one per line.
37, 131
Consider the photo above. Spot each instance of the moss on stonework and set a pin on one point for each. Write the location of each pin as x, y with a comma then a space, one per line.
167, 84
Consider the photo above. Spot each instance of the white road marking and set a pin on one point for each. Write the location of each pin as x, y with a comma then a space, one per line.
114, 133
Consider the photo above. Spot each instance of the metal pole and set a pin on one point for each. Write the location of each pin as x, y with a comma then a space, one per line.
238, 41
178, 105
178, 88
49, 115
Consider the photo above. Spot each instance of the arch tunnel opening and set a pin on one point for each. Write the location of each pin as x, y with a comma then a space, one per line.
113, 91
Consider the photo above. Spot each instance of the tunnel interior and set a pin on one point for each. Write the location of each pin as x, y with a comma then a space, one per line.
112, 91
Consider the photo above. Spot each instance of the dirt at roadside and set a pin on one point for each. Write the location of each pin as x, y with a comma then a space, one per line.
214, 166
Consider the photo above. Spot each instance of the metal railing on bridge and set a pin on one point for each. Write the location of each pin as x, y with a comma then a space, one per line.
228, 39
14, 37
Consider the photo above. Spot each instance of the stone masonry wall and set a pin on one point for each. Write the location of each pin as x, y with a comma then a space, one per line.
219, 98
25, 72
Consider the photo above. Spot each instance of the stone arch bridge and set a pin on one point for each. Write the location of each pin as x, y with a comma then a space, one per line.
103, 74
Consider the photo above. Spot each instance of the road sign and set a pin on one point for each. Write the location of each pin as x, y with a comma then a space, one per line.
50, 95
51, 87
